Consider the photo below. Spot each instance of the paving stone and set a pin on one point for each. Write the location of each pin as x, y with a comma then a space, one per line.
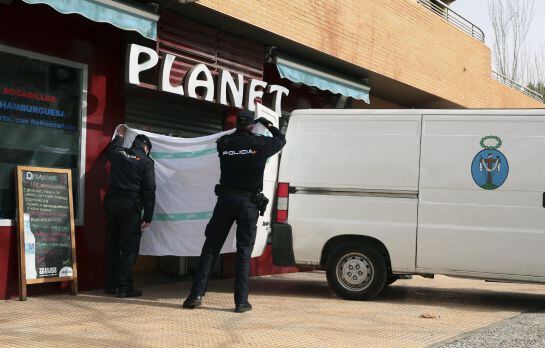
290, 310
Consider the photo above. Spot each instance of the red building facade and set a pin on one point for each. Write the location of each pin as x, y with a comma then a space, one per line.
39, 33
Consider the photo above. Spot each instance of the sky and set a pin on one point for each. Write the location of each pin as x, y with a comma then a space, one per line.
476, 11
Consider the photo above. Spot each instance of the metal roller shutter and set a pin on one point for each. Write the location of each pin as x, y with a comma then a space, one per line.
174, 115
192, 43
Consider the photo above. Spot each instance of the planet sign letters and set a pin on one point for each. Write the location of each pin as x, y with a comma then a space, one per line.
228, 89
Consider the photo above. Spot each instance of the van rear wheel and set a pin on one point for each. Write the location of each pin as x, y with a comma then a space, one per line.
356, 271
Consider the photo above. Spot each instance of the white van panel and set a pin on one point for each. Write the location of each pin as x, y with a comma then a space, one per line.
315, 219
352, 151
342, 165
463, 227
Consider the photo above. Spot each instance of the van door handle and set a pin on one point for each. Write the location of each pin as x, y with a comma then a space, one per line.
543, 199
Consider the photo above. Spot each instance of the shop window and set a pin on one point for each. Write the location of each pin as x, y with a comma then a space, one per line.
41, 109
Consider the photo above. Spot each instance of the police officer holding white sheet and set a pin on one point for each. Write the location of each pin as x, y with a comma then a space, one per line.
243, 156
130, 207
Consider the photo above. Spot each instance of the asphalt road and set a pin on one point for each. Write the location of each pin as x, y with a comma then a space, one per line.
523, 330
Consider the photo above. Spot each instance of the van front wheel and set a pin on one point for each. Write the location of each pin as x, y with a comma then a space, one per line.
356, 271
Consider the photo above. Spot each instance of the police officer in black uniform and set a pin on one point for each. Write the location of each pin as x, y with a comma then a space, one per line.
243, 156
132, 189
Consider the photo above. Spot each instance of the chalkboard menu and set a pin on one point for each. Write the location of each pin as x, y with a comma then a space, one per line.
46, 226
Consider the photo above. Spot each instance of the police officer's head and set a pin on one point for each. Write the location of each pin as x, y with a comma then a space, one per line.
142, 142
245, 120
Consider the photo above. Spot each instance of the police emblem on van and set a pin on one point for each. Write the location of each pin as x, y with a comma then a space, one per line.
490, 167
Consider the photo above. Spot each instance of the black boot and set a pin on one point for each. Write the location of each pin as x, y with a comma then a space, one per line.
129, 293
243, 307
192, 302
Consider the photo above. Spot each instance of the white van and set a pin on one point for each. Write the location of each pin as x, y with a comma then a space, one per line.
371, 195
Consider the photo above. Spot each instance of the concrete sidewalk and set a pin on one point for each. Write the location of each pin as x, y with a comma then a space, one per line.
293, 310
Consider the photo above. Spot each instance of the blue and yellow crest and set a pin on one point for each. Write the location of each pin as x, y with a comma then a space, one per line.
490, 167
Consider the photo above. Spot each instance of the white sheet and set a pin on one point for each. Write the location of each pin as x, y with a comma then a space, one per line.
186, 171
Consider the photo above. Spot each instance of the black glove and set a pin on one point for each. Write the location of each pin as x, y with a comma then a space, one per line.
264, 122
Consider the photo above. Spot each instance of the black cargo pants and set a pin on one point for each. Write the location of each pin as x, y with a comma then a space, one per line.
123, 241
229, 208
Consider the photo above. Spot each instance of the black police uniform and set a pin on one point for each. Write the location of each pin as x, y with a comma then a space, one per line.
243, 156
132, 188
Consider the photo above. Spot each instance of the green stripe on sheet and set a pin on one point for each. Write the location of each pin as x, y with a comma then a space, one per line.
203, 215
181, 155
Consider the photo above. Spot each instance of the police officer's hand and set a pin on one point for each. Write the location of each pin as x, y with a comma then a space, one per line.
264, 122
121, 130
144, 225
